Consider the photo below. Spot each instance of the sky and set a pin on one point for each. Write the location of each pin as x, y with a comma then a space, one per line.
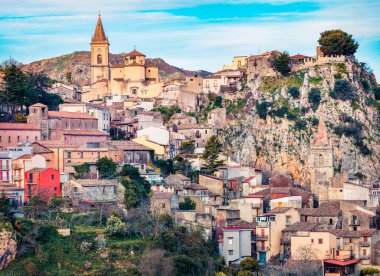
190, 34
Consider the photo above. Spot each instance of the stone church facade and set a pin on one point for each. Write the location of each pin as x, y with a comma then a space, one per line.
134, 78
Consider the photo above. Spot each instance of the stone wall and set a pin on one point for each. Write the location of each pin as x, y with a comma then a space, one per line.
8, 247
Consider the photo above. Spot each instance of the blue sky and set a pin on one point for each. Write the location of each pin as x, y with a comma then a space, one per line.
202, 34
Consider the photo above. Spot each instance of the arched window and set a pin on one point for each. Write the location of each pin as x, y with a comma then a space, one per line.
320, 160
99, 59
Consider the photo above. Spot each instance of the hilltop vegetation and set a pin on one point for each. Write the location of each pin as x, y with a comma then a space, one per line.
77, 66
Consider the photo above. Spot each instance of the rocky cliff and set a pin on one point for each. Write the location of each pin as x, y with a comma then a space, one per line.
8, 246
78, 65
278, 126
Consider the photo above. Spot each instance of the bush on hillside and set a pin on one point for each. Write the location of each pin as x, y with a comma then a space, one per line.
294, 92
314, 98
343, 90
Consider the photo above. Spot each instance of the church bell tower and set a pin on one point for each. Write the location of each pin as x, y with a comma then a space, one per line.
99, 54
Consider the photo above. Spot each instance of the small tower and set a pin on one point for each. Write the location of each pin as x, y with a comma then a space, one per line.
321, 161
99, 54
38, 116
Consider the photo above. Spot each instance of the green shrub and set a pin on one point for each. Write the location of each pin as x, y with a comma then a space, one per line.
314, 121
315, 80
281, 112
294, 92
262, 109
376, 92
365, 84
369, 271
314, 98
187, 204
343, 90
281, 63
300, 124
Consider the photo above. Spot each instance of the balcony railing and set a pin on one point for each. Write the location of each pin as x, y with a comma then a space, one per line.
17, 177
364, 244
4, 168
355, 222
17, 166
262, 237
262, 248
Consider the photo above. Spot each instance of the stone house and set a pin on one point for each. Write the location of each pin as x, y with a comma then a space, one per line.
190, 219
93, 190
181, 119
133, 153
164, 203
212, 183
178, 181
199, 133
212, 84
327, 215
261, 65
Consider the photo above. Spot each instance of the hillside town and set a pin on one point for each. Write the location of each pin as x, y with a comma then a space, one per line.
179, 148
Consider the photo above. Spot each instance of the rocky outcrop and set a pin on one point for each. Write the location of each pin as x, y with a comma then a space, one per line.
283, 144
8, 248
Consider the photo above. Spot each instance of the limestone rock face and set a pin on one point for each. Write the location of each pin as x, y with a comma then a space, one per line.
8, 248
281, 145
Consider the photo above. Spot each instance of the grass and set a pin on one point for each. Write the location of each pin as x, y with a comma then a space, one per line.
272, 84
341, 68
88, 229
315, 80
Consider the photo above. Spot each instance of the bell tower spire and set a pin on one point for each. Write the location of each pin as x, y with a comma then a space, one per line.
99, 53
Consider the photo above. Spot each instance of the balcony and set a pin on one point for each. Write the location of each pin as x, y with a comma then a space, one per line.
255, 205
263, 224
262, 237
17, 166
364, 244
4, 168
262, 248
17, 177
355, 222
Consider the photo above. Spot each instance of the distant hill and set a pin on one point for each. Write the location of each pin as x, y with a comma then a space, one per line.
78, 64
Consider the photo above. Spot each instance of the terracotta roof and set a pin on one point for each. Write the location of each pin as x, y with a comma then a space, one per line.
194, 126
54, 144
213, 77
341, 263
134, 53
99, 34
161, 195
175, 179
195, 186
25, 156
9, 187
82, 132
279, 210
280, 181
18, 126
72, 115
301, 226
326, 209
279, 190
40, 149
298, 56
180, 116
95, 182
38, 105
128, 145
340, 233
242, 223
36, 170
361, 213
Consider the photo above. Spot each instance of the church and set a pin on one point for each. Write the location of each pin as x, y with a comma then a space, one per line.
133, 78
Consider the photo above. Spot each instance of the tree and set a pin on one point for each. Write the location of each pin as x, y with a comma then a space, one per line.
337, 42
182, 165
187, 204
211, 154
218, 101
262, 109
294, 92
343, 90
106, 167
35, 207
54, 207
68, 77
117, 134
314, 97
369, 271
81, 170
156, 263
281, 63
4, 204
115, 226
137, 188
376, 92
305, 262
187, 147
249, 264
166, 166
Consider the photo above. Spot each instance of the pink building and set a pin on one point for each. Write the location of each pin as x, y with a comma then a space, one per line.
74, 128
13, 133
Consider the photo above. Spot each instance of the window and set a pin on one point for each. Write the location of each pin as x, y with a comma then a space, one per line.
365, 239
331, 221
207, 84
27, 138
75, 189
288, 220
312, 240
99, 59
337, 253
18, 138
35, 138
230, 240
230, 252
320, 160
52, 177
320, 241
68, 154
364, 252
9, 139
55, 189
81, 155
215, 83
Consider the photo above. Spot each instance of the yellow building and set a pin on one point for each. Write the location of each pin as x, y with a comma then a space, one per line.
133, 78
238, 62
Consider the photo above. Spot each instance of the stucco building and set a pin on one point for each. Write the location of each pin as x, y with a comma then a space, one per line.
12, 134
